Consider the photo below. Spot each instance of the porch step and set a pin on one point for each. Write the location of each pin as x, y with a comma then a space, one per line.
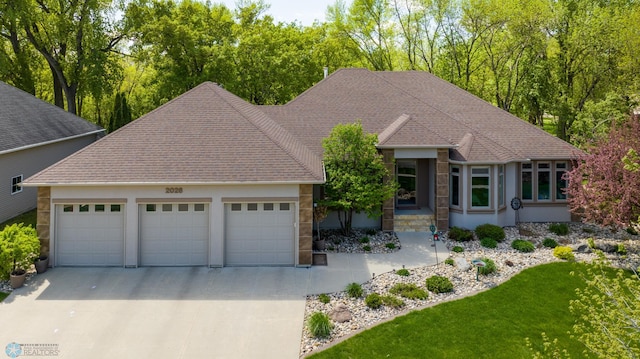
413, 222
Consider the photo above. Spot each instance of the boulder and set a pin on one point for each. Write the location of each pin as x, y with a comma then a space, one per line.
462, 264
340, 314
581, 248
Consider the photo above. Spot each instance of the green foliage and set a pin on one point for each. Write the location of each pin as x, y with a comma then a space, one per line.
364, 240
450, 261
392, 301
460, 234
371, 231
319, 325
403, 272
564, 252
622, 250
588, 230
561, 229
3, 295
523, 246
490, 266
323, 298
355, 174
457, 249
409, 291
366, 248
19, 247
121, 114
390, 245
490, 231
28, 218
549, 243
439, 284
632, 231
373, 301
354, 290
591, 243
489, 243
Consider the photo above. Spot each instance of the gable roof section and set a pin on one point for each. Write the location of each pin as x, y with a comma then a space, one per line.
27, 121
206, 136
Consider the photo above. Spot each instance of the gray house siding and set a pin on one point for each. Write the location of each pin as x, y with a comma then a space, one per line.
26, 163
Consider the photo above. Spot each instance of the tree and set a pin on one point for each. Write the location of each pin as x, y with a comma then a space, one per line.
121, 114
355, 174
600, 187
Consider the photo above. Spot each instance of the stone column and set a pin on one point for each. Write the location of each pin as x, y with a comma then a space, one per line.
305, 225
388, 209
43, 220
442, 189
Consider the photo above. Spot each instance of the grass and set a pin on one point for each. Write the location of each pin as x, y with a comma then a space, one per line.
3, 295
492, 324
28, 218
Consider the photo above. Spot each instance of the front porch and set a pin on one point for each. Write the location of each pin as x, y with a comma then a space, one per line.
413, 220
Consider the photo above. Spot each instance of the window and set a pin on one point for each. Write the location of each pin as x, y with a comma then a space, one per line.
284, 206
252, 207
67, 208
84, 208
99, 208
480, 187
561, 183
501, 186
236, 207
527, 181
115, 208
268, 206
151, 208
454, 186
183, 207
198, 207
544, 181
15, 184
167, 207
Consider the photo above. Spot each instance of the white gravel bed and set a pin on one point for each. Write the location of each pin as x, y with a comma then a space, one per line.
508, 262
376, 241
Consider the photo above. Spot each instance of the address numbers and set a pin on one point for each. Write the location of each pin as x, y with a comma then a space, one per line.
173, 190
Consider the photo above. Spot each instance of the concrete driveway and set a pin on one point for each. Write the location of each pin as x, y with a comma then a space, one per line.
183, 312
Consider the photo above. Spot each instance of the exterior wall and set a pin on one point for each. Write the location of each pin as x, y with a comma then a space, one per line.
130, 194
44, 220
27, 163
545, 213
442, 189
388, 207
360, 220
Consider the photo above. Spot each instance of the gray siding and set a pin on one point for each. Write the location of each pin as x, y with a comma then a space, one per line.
27, 163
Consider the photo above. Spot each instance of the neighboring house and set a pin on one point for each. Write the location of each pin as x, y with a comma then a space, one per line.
33, 135
209, 179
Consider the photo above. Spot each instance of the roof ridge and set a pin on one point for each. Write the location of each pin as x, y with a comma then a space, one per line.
281, 144
393, 128
305, 92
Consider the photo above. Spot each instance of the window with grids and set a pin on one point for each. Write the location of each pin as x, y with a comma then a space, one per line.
15, 184
480, 187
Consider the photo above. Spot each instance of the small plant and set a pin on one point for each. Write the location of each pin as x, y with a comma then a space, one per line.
588, 230
591, 243
549, 243
392, 301
323, 298
450, 261
523, 246
409, 291
371, 231
563, 252
364, 240
622, 250
373, 301
489, 242
460, 234
331, 248
366, 248
632, 231
403, 272
490, 266
439, 284
354, 290
390, 245
490, 231
457, 249
561, 229
319, 325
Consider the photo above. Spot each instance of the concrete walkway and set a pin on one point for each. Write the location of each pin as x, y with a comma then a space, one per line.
185, 312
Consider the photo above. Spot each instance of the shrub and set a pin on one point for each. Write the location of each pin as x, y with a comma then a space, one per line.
490, 231
19, 247
561, 229
450, 261
371, 231
439, 284
460, 234
549, 243
392, 301
523, 246
390, 245
587, 230
364, 240
591, 243
403, 272
622, 250
366, 248
489, 268
354, 290
323, 298
632, 231
458, 249
373, 301
319, 325
489, 242
410, 291
563, 252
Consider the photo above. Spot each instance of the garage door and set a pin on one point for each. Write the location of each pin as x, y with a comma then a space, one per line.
259, 234
89, 234
174, 234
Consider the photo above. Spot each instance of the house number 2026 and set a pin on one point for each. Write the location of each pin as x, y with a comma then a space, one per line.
173, 190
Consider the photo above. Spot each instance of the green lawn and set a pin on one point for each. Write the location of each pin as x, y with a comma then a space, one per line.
492, 324
3, 295
28, 218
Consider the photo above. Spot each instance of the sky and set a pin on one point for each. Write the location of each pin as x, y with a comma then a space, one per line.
302, 11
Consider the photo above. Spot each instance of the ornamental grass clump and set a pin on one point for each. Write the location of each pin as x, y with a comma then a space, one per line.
392, 301
490, 266
490, 231
489, 243
560, 229
323, 298
409, 291
460, 234
439, 284
319, 325
523, 246
450, 261
457, 249
549, 243
403, 272
373, 301
354, 290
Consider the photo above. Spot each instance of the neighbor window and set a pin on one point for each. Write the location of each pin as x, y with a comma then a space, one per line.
15, 184
454, 186
561, 183
480, 187
544, 181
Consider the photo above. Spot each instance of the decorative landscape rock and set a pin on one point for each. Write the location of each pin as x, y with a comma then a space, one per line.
462, 264
340, 314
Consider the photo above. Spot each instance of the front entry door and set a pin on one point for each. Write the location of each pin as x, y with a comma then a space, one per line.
406, 175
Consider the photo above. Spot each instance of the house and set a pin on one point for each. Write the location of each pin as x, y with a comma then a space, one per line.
209, 179
33, 135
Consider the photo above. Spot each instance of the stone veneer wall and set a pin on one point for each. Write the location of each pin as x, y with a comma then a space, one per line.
43, 220
442, 189
388, 205
305, 225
